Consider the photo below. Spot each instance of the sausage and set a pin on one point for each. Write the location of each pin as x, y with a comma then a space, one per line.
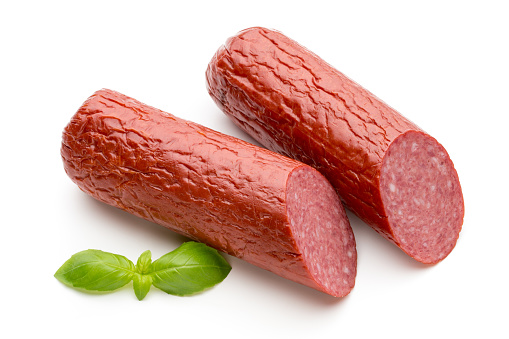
386, 169
249, 202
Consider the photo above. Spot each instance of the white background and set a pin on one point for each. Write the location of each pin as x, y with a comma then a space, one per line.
443, 64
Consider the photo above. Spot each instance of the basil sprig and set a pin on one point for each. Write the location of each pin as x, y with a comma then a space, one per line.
191, 268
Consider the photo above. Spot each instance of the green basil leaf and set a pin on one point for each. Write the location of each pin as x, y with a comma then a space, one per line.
143, 266
189, 269
141, 284
96, 270
142, 281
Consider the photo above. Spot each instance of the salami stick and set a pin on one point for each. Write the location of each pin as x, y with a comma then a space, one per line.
389, 172
257, 205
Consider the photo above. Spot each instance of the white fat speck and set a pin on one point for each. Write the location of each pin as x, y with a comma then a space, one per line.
414, 147
349, 254
424, 244
392, 187
346, 270
432, 188
403, 241
428, 205
345, 282
416, 201
296, 197
449, 184
399, 212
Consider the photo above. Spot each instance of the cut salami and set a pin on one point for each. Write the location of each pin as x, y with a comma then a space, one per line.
394, 176
267, 209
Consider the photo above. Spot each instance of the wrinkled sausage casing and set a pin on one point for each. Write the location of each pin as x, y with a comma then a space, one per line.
267, 209
389, 172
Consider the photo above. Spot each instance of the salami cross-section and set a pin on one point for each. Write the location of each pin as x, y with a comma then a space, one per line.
394, 176
267, 209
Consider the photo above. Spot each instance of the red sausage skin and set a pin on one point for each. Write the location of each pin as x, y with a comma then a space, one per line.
249, 202
389, 172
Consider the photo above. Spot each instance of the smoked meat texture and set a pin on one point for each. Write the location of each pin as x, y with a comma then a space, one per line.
249, 202
389, 172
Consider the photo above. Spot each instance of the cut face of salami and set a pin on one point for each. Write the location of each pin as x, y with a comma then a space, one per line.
320, 230
422, 197
267, 209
